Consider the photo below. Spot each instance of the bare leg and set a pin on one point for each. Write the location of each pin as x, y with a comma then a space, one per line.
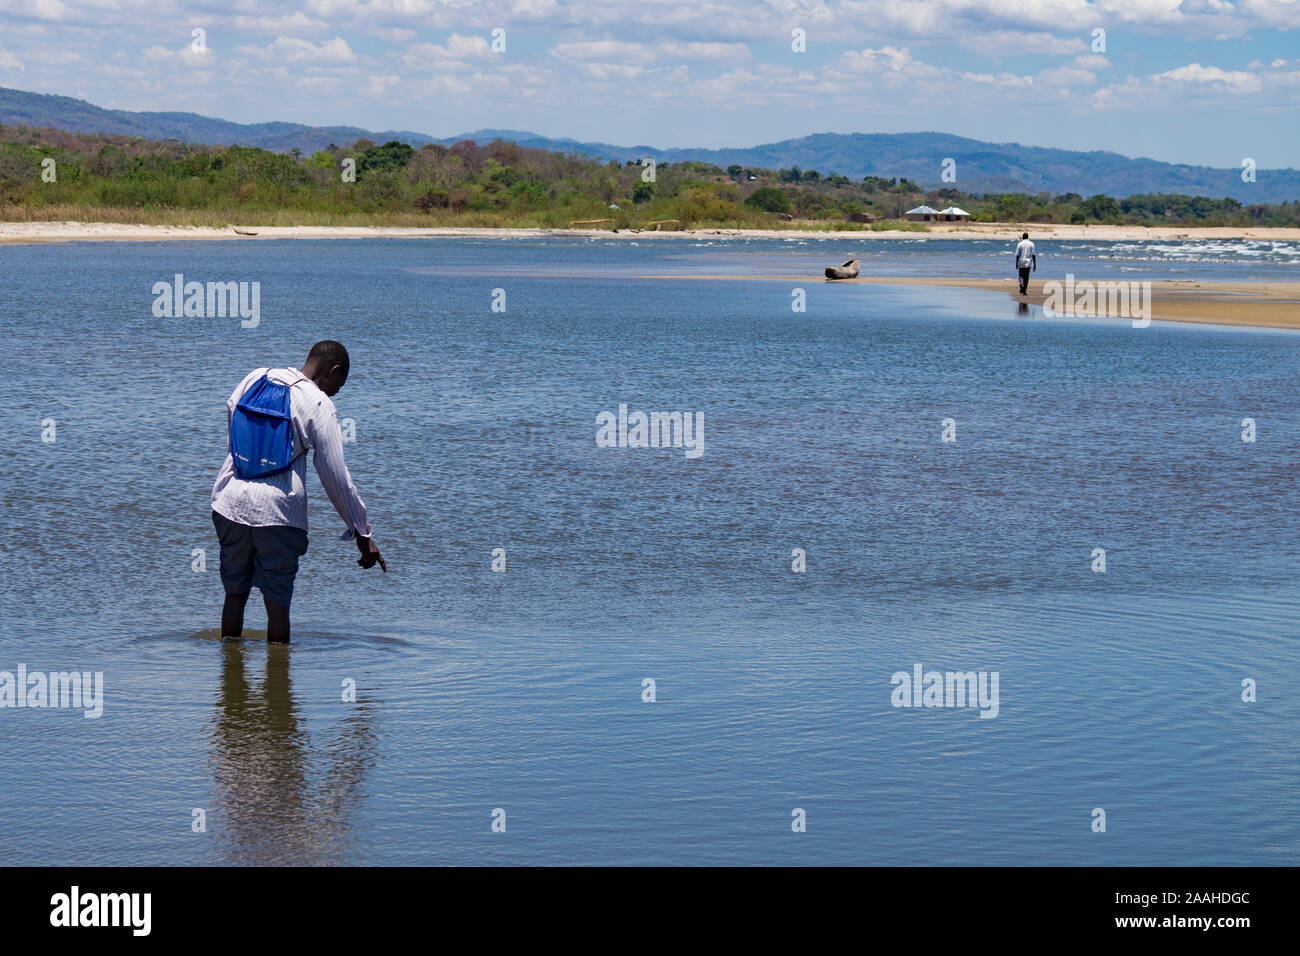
277, 623
232, 615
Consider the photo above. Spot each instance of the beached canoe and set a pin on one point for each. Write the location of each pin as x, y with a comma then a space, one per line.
847, 271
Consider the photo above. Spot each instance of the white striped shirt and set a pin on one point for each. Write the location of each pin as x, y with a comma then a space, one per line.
282, 499
1024, 253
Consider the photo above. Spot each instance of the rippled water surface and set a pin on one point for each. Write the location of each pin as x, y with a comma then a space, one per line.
523, 690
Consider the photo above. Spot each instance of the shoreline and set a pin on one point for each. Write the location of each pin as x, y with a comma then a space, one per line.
21, 233
1273, 304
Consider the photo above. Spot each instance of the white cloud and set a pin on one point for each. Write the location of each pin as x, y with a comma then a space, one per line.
1238, 81
186, 55
648, 53
1278, 14
381, 84
1020, 43
887, 59
1066, 76
297, 22
297, 50
1092, 61
43, 9
457, 48
1193, 84
391, 34
10, 62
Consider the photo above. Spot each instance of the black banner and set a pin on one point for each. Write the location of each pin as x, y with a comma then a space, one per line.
228, 905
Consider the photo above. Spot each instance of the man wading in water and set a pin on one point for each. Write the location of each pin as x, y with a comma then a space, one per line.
1025, 259
259, 503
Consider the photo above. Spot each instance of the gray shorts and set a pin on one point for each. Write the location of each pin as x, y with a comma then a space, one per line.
265, 558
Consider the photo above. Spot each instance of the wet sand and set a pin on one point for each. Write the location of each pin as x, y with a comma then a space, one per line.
1267, 304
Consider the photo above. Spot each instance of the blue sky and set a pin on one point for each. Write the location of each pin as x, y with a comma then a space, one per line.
1198, 81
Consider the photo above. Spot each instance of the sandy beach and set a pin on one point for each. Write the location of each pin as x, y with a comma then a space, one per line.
1266, 304
27, 232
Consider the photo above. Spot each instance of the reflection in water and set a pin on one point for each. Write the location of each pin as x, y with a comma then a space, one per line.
1022, 308
273, 805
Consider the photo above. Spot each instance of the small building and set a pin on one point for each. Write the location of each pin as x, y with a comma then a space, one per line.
861, 217
922, 214
954, 214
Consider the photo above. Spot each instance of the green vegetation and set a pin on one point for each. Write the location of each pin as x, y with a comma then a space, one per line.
769, 199
126, 179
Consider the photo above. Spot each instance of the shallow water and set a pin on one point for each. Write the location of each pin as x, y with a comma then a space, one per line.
522, 690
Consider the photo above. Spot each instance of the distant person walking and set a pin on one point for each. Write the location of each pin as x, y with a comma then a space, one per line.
259, 502
1025, 261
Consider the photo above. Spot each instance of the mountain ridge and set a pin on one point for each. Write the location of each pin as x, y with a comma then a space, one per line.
981, 166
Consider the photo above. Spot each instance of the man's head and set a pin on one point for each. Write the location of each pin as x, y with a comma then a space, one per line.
327, 366
1023, 235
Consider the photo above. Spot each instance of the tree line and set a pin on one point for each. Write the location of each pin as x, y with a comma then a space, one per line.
120, 178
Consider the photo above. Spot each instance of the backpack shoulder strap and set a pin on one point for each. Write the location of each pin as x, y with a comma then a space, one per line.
301, 452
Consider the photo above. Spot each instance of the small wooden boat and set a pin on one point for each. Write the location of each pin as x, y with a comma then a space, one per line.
847, 271
242, 232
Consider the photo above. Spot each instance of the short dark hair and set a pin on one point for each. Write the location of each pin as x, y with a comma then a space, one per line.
1023, 235
330, 353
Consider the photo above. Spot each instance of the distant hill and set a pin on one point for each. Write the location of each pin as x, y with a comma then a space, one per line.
78, 116
981, 166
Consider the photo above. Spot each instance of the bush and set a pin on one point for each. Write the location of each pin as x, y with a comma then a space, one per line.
529, 192
769, 199
1100, 207
433, 199
392, 155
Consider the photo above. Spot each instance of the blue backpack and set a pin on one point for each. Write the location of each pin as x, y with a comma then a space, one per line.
261, 430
